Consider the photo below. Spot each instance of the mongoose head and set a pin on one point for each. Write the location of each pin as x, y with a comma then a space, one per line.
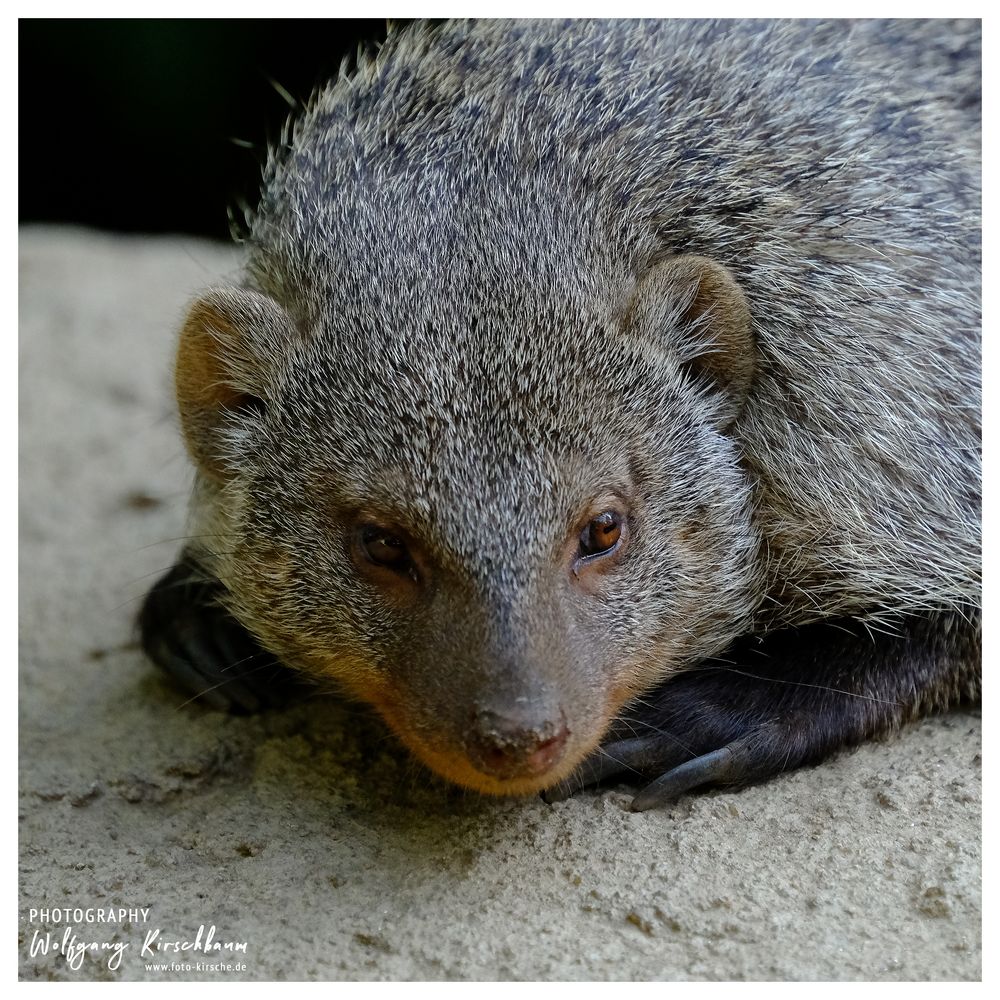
497, 518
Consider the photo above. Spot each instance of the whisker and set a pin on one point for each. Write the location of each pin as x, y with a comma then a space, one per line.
186, 538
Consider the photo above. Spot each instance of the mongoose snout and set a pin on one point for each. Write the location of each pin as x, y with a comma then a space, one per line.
510, 747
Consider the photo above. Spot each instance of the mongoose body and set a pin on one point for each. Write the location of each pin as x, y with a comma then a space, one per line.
602, 397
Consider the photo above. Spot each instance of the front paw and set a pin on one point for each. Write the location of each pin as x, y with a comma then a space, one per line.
676, 766
776, 702
187, 633
713, 725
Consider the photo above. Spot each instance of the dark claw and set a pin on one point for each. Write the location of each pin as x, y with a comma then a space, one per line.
710, 768
646, 755
188, 634
635, 758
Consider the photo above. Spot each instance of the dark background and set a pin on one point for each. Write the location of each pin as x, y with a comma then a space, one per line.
129, 124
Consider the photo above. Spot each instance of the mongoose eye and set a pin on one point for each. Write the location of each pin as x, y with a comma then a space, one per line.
601, 535
384, 548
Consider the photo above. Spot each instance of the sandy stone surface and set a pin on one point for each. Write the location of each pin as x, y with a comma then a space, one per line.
307, 834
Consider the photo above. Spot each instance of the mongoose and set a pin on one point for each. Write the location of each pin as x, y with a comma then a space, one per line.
601, 399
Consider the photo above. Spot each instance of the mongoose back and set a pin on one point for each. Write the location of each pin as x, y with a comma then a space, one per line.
601, 399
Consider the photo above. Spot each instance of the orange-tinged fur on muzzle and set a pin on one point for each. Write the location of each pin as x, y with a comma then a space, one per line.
446, 758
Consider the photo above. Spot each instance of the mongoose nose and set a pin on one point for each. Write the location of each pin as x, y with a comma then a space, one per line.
509, 748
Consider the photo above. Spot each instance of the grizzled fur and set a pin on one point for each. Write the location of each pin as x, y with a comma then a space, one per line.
450, 319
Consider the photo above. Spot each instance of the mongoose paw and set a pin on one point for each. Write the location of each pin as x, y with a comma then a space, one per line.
706, 726
187, 633
777, 702
680, 770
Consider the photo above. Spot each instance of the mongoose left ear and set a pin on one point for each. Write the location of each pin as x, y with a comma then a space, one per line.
700, 307
231, 347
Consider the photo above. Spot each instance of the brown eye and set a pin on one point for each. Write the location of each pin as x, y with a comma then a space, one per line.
386, 549
601, 534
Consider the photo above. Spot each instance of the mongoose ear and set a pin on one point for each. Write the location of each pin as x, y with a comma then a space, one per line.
700, 307
230, 343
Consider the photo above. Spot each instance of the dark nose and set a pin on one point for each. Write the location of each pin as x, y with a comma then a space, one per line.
506, 747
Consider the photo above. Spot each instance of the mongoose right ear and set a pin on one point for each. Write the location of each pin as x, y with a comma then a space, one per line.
700, 307
230, 343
